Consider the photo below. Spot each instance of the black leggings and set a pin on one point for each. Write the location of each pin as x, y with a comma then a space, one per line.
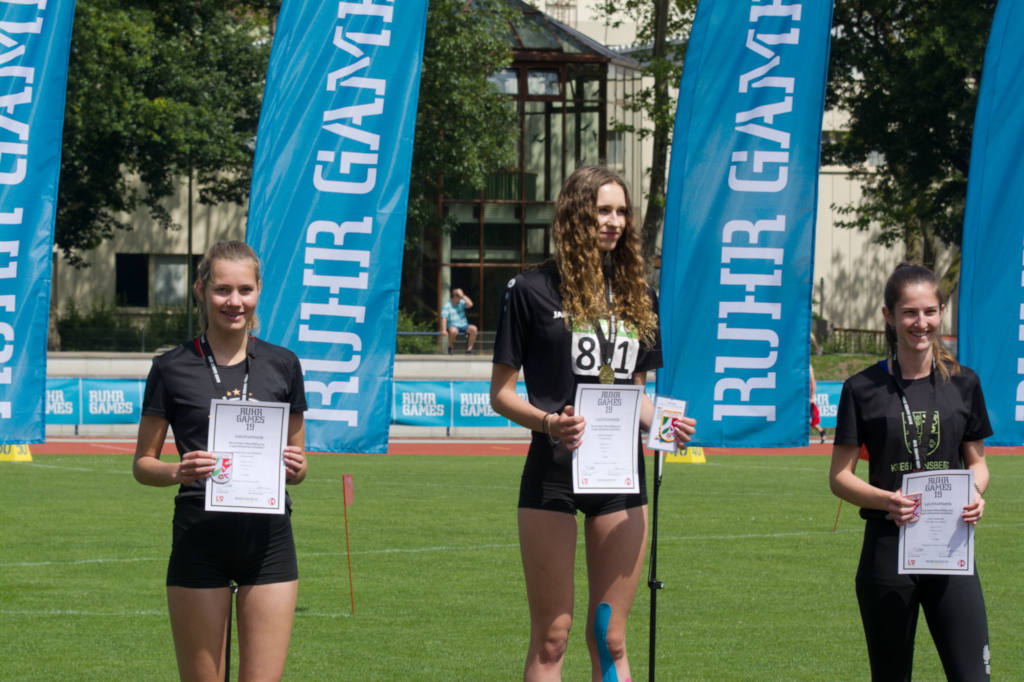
953, 606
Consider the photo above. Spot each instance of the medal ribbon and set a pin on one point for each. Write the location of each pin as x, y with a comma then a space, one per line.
206, 352
908, 415
607, 344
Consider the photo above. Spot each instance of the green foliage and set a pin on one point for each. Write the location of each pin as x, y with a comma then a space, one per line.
105, 328
466, 129
416, 344
166, 327
663, 30
156, 91
101, 327
759, 588
907, 73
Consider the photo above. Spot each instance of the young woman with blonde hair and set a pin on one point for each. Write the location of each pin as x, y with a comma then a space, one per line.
210, 550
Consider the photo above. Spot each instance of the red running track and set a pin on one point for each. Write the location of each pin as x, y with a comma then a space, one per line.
433, 446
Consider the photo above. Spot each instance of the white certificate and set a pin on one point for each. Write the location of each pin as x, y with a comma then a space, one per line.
248, 439
606, 460
662, 435
939, 541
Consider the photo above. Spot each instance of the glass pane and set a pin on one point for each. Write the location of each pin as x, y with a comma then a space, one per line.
503, 242
507, 81
590, 152
556, 152
169, 280
504, 186
544, 83
495, 283
538, 244
131, 275
535, 153
466, 242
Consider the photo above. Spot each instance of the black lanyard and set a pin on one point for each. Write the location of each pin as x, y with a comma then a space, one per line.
606, 374
908, 416
206, 352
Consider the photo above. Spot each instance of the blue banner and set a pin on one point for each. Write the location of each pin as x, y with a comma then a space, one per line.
35, 39
471, 401
737, 252
991, 307
112, 401
328, 203
423, 403
63, 401
826, 397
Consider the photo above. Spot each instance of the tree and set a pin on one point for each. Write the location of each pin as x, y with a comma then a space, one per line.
465, 128
663, 27
907, 73
157, 91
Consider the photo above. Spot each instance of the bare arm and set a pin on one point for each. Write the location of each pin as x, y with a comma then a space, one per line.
295, 463
845, 484
506, 402
974, 457
149, 470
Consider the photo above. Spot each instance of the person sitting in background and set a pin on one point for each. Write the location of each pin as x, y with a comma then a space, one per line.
454, 322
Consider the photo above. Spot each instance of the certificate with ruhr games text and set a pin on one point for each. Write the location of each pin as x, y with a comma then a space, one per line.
248, 439
607, 459
939, 541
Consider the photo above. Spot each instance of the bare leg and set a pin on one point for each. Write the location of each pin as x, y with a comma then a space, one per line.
616, 544
265, 616
471, 333
199, 621
453, 334
547, 541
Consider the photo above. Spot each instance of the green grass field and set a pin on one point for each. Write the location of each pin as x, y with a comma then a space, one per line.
757, 586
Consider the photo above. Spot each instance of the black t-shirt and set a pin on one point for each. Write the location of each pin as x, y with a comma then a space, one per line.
532, 334
180, 386
871, 414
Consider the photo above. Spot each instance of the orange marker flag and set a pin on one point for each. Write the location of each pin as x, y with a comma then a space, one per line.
346, 482
348, 495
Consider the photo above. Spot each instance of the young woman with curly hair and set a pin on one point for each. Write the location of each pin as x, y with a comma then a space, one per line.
587, 316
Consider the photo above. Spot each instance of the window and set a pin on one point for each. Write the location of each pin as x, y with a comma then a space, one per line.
131, 276
169, 280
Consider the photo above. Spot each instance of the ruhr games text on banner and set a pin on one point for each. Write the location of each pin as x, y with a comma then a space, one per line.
739, 232
34, 46
328, 203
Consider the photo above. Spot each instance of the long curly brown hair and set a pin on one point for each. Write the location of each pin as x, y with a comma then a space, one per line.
580, 261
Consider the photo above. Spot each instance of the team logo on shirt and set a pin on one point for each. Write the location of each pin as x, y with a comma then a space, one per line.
930, 440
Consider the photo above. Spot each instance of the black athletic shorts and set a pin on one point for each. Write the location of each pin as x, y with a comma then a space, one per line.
547, 484
210, 549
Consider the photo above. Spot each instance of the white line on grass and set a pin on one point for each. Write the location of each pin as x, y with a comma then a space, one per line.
472, 548
78, 612
299, 613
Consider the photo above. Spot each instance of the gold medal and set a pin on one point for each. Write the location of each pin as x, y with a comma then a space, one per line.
605, 375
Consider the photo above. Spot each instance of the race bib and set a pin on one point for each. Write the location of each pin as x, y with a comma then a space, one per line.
586, 352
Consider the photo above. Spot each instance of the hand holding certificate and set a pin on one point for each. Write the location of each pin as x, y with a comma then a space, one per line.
667, 412
938, 541
606, 460
247, 438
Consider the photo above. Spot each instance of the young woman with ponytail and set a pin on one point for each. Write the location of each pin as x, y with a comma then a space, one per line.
951, 422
